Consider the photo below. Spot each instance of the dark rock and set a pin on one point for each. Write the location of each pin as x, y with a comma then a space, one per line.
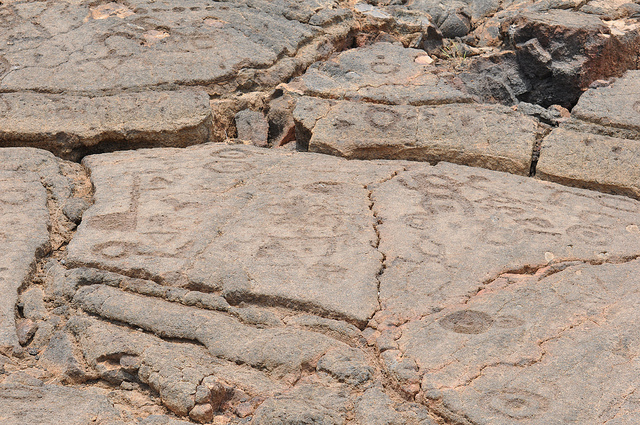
563, 51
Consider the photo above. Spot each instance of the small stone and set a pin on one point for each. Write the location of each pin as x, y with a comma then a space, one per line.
424, 60
25, 329
202, 413
252, 126
74, 208
244, 409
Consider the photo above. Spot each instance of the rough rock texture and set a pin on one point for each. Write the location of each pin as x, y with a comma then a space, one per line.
493, 137
597, 147
185, 42
538, 350
70, 126
446, 231
382, 73
592, 161
38, 403
417, 281
220, 219
24, 218
612, 110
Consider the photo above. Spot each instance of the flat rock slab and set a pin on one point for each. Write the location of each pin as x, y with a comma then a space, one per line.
448, 230
71, 126
251, 224
24, 218
54, 404
613, 110
68, 47
539, 350
588, 160
493, 137
382, 73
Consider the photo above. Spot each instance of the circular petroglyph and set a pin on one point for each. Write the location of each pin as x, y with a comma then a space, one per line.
115, 249
589, 234
229, 167
516, 403
231, 154
382, 118
466, 322
441, 203
636, 106
421, 221
14, 197
385, 68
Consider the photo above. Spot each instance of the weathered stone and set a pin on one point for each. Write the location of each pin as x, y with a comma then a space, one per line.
252, 126
540, 349
176, 371
162, 420
492, 137
613, 110
74, 208
201, 413
68, 47
309, 403
33, 304
25, 329
23, 237
53, 404
60, 358
563, 51
382, 73
591, 161
375, 407
447, 230
72, 126
223, 336
346, 365
204, 217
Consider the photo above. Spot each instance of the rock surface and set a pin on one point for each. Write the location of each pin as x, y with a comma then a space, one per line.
69, 126
422, 279
493, 137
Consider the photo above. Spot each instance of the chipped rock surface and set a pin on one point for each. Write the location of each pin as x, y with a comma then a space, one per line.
319, 212
598, 146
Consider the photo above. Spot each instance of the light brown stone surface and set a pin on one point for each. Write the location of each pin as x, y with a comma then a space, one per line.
71, 126
248, 223
448, 230
493, 137
602, 163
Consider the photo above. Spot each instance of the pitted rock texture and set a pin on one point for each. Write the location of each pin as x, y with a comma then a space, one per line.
221, 219
382, 73
421, 279
536, 349
112, 46
24, 236
69, 126
32, 183
216, 283
612, 110
597, 147
448, 230
494, 137
603, 163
